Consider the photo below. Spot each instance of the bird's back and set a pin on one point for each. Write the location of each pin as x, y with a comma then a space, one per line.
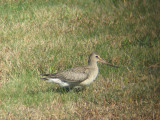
77, 74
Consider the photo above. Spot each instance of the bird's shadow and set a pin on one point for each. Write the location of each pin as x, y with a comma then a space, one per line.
56, 90
66, 89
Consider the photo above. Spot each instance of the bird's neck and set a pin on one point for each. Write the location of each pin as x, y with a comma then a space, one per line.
93, 64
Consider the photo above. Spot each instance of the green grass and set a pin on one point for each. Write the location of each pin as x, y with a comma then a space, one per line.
40, 36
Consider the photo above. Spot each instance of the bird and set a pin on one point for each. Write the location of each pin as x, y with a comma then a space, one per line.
77, 77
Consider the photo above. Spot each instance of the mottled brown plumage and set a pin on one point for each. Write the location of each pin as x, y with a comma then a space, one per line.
78, 76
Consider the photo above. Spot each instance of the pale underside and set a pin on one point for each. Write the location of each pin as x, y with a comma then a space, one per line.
78, 76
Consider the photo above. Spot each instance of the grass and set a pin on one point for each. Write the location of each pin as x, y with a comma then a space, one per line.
47, 36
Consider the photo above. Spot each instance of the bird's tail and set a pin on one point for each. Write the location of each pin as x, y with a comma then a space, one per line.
49, 78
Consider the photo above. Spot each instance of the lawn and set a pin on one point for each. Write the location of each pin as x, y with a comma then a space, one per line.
45, 36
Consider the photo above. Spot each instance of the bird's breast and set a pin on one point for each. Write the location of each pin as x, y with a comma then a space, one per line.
92, 76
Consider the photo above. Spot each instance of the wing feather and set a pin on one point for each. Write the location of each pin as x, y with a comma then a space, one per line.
77, 74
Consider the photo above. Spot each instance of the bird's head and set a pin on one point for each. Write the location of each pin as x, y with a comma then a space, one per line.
96, 58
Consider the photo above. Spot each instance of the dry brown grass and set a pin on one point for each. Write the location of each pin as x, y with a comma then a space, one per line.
44, 37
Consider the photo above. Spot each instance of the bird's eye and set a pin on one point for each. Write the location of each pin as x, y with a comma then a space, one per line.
97, 56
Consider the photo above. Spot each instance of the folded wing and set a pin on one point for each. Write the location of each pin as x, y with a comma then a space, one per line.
77, 74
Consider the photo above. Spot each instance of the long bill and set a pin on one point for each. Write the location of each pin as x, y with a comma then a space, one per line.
105, 62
